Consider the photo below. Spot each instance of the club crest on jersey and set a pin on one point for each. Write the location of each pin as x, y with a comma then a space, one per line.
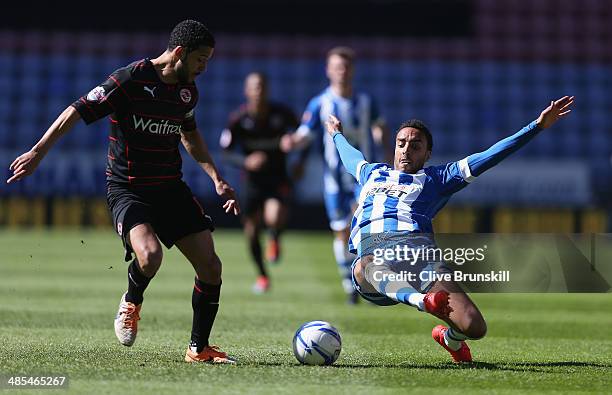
96, 94
120, 228
185, 95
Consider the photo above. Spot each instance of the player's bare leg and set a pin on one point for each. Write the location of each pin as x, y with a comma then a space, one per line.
465, 322
444, 300
275, 216
147, 248
359, 273
367, 290
149, 255
370, 277
199, 249
465, 316
252, 228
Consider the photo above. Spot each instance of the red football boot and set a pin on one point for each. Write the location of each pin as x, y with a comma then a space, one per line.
463, 354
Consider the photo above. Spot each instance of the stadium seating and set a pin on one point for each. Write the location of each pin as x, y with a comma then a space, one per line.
467, 106
470, 93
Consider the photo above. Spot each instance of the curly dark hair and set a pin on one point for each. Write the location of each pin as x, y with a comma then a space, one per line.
420, 125
191, 35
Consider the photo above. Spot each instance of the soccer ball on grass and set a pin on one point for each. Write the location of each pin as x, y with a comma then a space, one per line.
317, 343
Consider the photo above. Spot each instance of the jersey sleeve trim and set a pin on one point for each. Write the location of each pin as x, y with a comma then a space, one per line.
81, 106
465, 171
360, 166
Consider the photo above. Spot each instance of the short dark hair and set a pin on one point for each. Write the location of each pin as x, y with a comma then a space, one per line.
191, 35
344, 52
262, 76
419, 125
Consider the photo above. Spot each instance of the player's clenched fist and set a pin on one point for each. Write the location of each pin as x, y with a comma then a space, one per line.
333, 124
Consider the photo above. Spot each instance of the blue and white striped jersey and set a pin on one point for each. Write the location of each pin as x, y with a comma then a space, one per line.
357, 115
394, 201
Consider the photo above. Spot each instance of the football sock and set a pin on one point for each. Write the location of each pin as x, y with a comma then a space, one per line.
416, 299
273, 253
344, 260
205, 303
255, 247
137, 283
408, 296
348, 264
274, 233
453, 338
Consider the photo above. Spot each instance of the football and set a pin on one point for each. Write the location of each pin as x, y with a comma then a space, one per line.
317, 343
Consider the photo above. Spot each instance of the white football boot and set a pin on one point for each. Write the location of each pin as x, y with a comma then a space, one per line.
126, 322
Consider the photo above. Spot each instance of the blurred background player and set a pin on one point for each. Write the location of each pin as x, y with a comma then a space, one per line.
397, 207
364, 128
150, 104
252, 141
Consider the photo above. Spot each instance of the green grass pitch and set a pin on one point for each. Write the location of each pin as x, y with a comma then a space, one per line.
59, 293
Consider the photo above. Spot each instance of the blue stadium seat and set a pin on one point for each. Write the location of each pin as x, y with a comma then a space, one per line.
7, 61
31, 63
26, 132
7, 139
600, 143
6, 82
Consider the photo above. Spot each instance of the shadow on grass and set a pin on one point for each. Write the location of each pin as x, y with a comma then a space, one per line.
541, 367
563, 364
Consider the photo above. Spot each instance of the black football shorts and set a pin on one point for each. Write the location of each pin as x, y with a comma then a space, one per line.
172, 211
254, 193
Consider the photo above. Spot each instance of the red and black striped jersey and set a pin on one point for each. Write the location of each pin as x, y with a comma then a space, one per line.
147, 118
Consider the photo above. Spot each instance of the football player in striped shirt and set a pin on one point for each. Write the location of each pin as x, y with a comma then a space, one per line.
364, 128
397, 204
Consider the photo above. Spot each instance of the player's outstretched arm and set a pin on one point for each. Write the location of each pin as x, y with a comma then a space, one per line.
482, 161
299, 140
26, 163
350, 156
196, 147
